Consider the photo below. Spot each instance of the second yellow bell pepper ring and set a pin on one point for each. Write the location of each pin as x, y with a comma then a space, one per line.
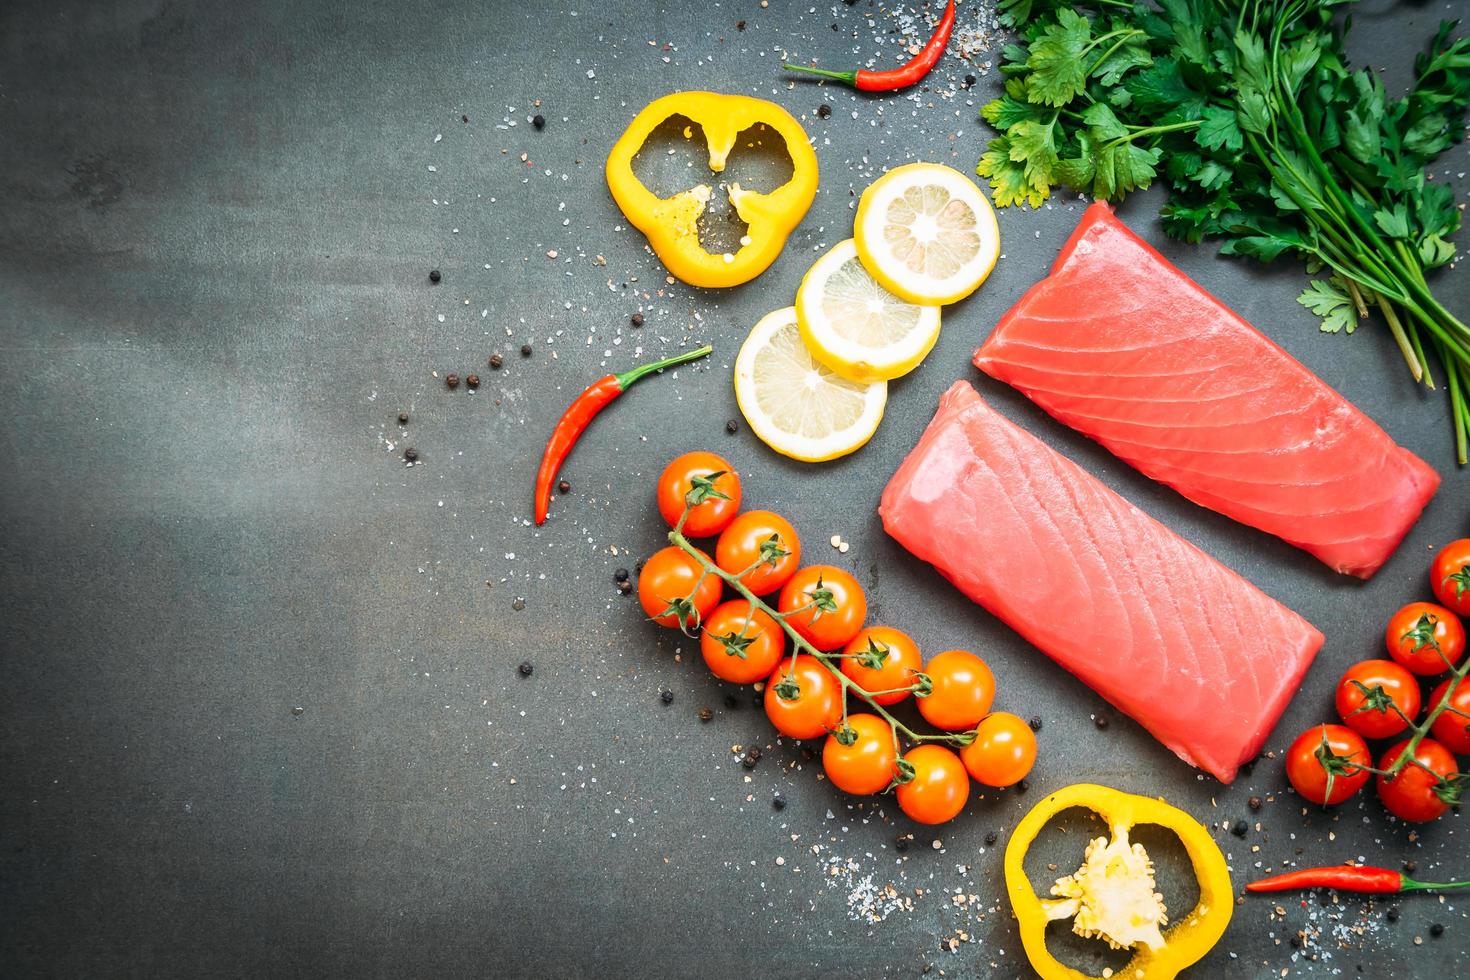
1185, 941
671, 223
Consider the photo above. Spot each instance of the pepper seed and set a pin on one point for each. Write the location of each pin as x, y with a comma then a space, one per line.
705, 715
473, 381
636, 319
563, 486
518, 604
1254, 802
434, 275
402, 418
824, 111
451, 380
732, 427
525, 350
496, 361
410, 454
625, 587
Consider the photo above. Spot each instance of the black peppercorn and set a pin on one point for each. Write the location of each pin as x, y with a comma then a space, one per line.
778, 801
1035, 723
495, 361
1022, 786
666, 696
705, 714
636, 319
740, 25
473, 381
991, 838
1254, 802
901, 842
625, 587
1296, 942
969, 81
539, 121
732, 427
621, 575
1392, 915
434, 275
525, 668
525, 350
402, 418
410, 454
451, 380
1239, 828
518, 604
1410, 867
563, 486
1436, 930
1100, 721
731, 701
824, 111
751, 758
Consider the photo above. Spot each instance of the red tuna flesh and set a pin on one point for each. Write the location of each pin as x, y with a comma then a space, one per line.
1183, 645
1128, 350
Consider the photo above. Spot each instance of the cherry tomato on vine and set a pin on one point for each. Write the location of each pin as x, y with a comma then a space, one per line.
740, 644
1453, 730
721, 495
1325, 747
803, 698
748, 540
1425, 638
964, 688
1450, 576
867, 765
840, 606
1003, 752
939, 788
1410, 795
1368, 709
667, 582
881, 658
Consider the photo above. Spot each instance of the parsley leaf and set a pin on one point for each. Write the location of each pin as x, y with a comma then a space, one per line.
1328, 299
1058, 71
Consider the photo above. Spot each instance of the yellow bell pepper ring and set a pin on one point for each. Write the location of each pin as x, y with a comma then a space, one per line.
1112, 895
671, 223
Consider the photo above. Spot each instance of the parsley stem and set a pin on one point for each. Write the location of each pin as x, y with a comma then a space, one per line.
1152, 130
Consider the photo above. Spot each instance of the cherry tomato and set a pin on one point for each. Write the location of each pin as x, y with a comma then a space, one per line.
1450, 576
1003, 752
716, 512
867, 765
895, 655
841, 612
1425, 638
964, 687
1308, 758
741, 644
1371, 715
667, 580
939, 788
1453, 730
803, 698
741, 546
1410, 795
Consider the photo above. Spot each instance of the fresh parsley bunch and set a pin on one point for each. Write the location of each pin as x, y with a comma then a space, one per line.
1266, 138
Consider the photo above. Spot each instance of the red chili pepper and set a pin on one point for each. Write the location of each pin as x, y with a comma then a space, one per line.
582, 411
909, 74
1349, 878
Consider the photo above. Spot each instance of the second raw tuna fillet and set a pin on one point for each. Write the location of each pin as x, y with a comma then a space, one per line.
1187, 648
1126, 349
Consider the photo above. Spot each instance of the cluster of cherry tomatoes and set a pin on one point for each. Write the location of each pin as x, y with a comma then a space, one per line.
1382, 699
805, 693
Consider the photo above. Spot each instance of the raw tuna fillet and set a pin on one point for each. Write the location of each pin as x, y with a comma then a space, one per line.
1190, 650
1128, 350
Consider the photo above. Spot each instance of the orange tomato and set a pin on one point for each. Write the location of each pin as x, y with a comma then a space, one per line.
720, 506
867, 765
667, 581
1003, 752
939, 788
964, 688
1425, 638
740, 546
896, 657
843, 606
803, 698
741, 644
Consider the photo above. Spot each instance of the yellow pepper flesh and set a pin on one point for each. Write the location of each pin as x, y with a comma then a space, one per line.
1185, 942
671, 224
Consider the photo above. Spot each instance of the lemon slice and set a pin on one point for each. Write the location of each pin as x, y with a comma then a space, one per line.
795, 404
927, 233
856, 327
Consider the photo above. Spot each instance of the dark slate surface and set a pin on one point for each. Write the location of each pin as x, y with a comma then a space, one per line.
261, 712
